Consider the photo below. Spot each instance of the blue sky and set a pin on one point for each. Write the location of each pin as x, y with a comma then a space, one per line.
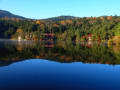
39, 9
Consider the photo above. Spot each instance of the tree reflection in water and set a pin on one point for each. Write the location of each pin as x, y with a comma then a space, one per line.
63, 52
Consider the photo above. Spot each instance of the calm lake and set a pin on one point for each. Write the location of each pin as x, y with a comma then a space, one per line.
29, 65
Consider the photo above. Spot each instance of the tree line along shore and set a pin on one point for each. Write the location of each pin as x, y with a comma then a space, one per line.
77, 29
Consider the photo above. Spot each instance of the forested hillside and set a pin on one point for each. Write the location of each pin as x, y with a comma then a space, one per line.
6, 14
75, 29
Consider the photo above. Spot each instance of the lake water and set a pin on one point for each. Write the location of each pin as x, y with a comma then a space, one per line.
29, 65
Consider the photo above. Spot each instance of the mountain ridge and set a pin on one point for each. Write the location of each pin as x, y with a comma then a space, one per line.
4, 13
60, 18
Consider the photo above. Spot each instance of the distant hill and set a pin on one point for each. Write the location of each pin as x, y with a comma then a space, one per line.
60, 18
8, 14
4, 13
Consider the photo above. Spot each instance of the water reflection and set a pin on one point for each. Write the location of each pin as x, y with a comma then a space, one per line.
44, 66
37, 74
63, 52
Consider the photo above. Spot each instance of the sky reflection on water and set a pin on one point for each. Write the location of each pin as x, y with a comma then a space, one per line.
44, 74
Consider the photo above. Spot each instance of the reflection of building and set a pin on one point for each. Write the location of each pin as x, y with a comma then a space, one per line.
19, 38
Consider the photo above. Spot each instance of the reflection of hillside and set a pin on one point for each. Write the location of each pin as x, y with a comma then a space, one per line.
60, 52
2, 63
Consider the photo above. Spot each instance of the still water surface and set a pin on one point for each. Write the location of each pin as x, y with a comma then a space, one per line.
58, 66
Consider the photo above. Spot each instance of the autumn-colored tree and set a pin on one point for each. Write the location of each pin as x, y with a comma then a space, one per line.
19, 30
55, 25
38, 22
42, 26
109, 17
102, 18
6, 18
69, 21
62, 22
